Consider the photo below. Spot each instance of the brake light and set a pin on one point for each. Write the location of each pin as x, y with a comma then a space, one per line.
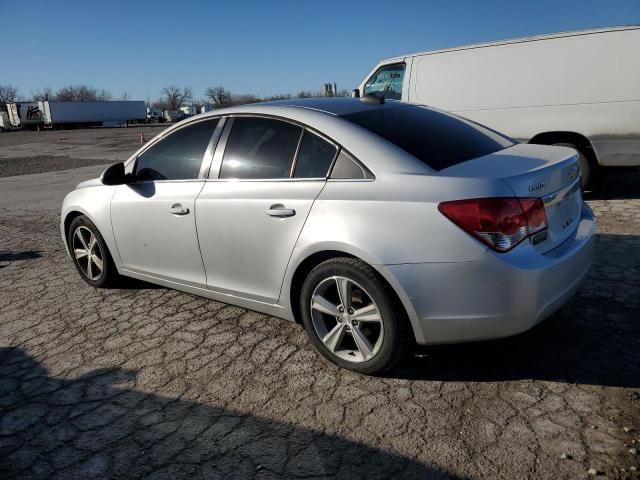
501, 223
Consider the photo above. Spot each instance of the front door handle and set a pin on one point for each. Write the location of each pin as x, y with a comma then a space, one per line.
177, 209
279, 211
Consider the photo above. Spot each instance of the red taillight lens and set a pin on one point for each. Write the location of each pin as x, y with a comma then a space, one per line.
501, 223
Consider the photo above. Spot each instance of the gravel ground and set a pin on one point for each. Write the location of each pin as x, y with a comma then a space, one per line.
145, 382
27, 152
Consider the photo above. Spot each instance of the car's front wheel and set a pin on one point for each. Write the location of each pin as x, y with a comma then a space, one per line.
351, 318
90, 254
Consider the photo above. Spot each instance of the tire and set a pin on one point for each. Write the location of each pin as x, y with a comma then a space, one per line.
387, 339
80, 235
589, 171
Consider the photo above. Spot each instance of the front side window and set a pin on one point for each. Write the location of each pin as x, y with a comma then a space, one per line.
260, 148
177, 157
315, 157
386, 82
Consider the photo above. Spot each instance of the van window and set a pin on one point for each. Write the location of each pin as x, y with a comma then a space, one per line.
386, 82
437, 139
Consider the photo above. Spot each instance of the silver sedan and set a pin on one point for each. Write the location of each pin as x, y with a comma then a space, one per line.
377, 225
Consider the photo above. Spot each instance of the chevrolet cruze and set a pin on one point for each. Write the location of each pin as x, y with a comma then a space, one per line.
377, 225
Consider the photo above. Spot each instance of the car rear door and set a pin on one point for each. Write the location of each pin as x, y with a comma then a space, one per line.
265, 176
153, 217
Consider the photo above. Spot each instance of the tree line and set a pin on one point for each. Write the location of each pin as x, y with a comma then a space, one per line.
171, 97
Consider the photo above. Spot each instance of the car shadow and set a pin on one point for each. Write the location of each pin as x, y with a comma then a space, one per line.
594, 339
617, 184
6, 256
98, 426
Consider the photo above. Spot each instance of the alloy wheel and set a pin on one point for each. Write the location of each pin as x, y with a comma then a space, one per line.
347, 319
87, 253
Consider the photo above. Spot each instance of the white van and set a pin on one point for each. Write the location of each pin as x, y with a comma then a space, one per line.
578, 88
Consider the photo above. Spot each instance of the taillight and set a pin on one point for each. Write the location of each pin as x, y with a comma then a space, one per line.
501, 223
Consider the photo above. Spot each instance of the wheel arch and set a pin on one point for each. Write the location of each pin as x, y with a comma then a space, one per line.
581, 142
68, 219
312, 260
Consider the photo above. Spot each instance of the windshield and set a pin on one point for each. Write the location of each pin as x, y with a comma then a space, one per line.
437, 139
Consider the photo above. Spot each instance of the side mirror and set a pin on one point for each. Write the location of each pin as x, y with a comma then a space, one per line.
114, 175
355, 93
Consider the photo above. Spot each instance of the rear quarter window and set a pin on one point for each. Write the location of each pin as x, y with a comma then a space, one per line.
437, 139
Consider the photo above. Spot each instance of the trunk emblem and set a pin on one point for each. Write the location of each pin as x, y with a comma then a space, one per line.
536, 186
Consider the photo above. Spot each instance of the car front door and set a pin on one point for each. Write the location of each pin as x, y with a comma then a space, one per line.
265, 176
153, 216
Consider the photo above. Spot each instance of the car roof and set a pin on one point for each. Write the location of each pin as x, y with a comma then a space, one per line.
337, 106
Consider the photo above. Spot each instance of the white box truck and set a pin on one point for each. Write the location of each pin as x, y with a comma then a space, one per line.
580, 89
24, 114
67, 114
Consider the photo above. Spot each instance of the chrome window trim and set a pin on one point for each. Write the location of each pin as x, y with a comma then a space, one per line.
211, 148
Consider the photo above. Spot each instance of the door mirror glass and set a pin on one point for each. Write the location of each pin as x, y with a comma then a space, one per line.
386, 82
114, 175
355, 93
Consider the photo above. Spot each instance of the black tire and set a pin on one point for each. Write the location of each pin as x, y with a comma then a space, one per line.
589, 170
397, 338
109, 274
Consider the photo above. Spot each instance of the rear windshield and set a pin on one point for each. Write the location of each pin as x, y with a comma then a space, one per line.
435, 138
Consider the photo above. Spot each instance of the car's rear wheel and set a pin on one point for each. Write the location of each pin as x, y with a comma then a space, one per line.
351, 318
90, 254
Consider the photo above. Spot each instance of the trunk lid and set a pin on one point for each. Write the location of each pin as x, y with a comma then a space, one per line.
550, 173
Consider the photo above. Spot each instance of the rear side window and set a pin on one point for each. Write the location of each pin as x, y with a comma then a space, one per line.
386, 82
315, 157
437, 139
260, 148
177, 157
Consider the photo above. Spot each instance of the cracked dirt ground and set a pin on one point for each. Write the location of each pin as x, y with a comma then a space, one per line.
145, 382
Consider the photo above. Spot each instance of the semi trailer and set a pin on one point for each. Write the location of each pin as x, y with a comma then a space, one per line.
71, 114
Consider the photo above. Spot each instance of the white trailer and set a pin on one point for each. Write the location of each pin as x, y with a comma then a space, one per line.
60, 114
577, 88
24, 114
4, 122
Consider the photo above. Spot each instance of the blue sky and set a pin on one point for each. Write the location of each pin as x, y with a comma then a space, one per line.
261, 47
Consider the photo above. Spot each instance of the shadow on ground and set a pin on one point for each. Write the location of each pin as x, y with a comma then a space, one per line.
617, 184
15, 256
99, 426
594, 339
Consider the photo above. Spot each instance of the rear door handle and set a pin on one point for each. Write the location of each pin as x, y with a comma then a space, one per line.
177, 209
279, 211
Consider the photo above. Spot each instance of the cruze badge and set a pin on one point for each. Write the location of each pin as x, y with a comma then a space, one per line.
536, 186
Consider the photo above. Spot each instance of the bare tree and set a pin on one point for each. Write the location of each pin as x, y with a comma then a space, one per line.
173, 98
309, 94
8, 94
104, 95
243, 99
77, 93
124, 96
43, 95
218, 96
279, 96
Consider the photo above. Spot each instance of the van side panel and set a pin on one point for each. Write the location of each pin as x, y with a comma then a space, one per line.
584, 83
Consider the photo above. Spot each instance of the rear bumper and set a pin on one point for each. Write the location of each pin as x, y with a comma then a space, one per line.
497, 295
